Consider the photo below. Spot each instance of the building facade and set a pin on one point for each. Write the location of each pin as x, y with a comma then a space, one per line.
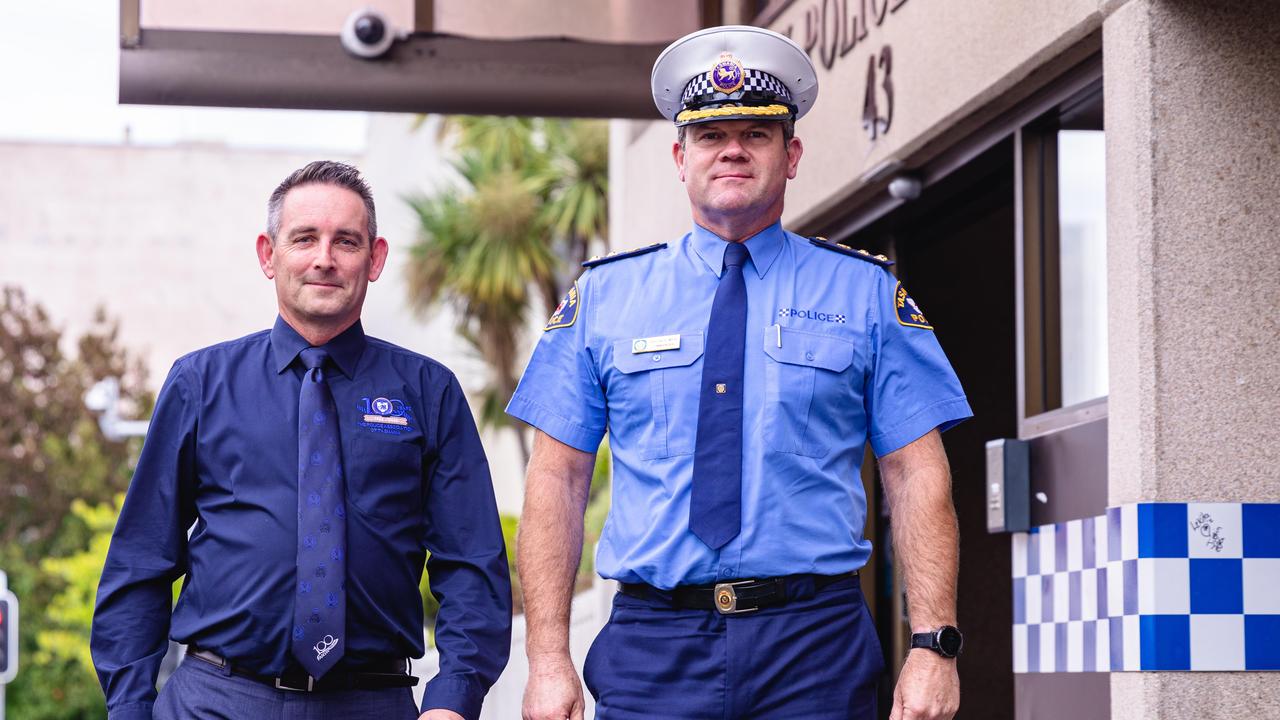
1080, 194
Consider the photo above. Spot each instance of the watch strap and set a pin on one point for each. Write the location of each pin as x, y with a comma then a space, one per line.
925, 640
933, 641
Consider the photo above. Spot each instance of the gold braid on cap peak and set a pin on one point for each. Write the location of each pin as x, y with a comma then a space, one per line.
733, 110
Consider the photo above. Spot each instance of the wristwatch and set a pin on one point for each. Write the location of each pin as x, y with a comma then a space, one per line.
946, 641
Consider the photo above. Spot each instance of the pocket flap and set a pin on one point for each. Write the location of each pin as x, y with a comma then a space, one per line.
805, 348
628, 362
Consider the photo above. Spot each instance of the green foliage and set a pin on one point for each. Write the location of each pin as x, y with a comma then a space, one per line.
51, 451
45, 689
597, 511
510, 526
58, 479
69, 614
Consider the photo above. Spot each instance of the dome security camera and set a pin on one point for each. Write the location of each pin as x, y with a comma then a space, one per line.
905, 187
367, 34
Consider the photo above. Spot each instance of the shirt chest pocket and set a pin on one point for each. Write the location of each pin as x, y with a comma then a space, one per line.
384, 479
653, 401
805, 384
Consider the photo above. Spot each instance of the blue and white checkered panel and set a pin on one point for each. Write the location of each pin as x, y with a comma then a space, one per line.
752, 80
1150, 586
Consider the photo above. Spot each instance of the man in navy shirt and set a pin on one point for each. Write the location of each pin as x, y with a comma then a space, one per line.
740, 372
298, 477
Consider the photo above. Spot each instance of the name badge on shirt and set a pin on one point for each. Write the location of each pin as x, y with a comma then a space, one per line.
655, 344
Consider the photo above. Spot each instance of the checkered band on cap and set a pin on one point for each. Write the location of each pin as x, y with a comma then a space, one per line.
700, 90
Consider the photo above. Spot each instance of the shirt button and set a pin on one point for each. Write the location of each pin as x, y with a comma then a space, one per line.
656, 358
726, 573
808, 356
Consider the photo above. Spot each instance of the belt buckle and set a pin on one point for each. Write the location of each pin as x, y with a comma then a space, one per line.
726, 598
311, 685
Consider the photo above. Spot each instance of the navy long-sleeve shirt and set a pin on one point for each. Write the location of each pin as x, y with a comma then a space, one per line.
214, 497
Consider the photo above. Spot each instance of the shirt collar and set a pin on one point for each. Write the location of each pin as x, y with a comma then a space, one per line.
345, 349
764, 247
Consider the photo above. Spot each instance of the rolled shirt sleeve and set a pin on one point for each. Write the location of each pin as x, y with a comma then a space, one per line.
560, 392
911, 388
148, 552
468, 564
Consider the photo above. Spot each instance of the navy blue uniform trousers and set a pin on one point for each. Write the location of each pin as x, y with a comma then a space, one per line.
198, 689
816, 658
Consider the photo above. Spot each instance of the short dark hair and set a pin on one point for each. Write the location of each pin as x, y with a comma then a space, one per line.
322, 172
788, 131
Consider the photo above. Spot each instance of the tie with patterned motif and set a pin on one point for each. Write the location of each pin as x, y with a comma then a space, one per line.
715, 507
320, 606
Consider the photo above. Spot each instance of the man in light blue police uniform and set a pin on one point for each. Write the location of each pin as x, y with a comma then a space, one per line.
739, 372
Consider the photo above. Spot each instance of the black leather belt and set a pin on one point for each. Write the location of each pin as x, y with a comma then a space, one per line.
391, 674
736, 596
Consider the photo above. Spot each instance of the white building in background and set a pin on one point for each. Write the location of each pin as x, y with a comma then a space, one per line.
162, 237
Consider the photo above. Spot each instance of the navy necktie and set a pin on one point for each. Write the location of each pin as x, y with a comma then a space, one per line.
715, 508
320, 606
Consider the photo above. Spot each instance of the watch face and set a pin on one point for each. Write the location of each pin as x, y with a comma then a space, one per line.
950, 641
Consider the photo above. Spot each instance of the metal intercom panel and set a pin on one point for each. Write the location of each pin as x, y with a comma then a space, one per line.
1008, 485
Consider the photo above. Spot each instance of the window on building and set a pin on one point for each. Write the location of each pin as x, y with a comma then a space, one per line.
1063, 243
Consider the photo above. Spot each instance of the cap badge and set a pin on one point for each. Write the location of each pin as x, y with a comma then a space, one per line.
726, 74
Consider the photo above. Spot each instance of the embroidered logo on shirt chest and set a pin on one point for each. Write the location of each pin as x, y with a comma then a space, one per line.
391, 416
812, 315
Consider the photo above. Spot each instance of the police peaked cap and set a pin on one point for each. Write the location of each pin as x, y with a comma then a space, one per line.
733, 72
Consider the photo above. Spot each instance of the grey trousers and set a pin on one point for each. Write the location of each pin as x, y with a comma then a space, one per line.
199, 690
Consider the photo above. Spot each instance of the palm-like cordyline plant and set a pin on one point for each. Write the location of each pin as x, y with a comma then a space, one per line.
532, 200
578, 183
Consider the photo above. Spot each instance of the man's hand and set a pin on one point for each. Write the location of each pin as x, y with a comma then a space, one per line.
928, 688
440, 714
553, 691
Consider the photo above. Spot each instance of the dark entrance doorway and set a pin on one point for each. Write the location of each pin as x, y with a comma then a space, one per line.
954, 246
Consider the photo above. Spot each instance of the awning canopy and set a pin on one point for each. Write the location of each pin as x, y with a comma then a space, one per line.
584, 58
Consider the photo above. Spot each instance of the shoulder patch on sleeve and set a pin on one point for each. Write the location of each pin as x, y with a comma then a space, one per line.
620, 254
566, 313
909, 313
826, 244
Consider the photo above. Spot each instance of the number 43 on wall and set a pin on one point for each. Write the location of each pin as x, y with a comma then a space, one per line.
872, 121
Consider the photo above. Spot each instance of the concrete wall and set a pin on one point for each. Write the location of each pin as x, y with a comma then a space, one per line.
947, 59
163, 239
1192, 98
647, 201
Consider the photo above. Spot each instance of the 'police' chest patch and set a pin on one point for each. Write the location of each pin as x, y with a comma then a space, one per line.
390, 416
566, 313
909, 313
820, 316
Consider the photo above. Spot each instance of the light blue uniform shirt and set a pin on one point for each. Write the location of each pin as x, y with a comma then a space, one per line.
831, 362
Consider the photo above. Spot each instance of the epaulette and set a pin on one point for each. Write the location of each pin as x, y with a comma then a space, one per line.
620, 254
822, 242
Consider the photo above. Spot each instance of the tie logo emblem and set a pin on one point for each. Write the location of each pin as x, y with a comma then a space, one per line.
323, 647
721, 389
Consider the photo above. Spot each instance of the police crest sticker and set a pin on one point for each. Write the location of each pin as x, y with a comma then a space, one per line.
909, 313
566, 313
